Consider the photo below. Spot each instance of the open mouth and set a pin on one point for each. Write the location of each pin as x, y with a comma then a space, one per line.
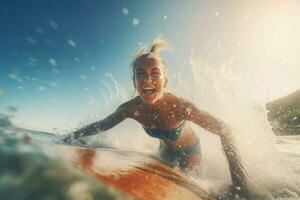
149, 90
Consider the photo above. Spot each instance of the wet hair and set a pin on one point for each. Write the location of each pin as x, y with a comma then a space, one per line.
141, 55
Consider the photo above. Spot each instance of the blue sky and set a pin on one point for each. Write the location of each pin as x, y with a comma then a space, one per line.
56, 56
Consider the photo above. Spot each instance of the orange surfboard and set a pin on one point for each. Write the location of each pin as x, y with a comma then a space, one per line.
136, 174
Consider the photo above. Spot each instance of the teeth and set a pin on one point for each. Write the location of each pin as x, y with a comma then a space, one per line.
148, 88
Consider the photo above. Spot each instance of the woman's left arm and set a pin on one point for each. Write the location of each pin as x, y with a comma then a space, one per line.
216, 126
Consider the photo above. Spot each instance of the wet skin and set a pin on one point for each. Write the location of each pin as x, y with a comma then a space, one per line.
156, 109
169, 113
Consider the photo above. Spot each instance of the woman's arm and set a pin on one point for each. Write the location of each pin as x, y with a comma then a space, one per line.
107, 123
216, 126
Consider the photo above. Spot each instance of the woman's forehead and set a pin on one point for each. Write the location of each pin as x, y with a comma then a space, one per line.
148, 63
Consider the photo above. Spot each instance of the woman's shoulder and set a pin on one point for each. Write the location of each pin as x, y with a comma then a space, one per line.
130, 105
174, 98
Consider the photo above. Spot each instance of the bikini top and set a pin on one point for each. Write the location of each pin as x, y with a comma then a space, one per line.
169, 134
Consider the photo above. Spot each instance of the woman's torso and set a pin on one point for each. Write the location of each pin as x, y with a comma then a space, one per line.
168, 114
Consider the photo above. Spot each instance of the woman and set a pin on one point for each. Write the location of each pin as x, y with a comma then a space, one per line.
163, 115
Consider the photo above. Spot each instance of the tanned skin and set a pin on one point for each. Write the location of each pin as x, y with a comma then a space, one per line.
156, 109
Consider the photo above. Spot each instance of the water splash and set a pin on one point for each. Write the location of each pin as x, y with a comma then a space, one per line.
30, 166
231, 97
228, 95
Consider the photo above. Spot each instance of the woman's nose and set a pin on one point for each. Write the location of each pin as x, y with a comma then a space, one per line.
147, 77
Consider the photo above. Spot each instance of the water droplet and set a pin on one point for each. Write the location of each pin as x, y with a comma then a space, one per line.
52, 61
136, 113
93, 68
41, 88
125, 11
53, 24
71, 43
39, 30
82, 76
31, 40
54, 84
135, 21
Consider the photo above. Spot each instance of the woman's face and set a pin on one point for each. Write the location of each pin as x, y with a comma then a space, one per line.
150, 80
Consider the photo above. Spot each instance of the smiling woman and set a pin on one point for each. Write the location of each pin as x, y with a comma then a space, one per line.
149, 73
63, 68
164, 116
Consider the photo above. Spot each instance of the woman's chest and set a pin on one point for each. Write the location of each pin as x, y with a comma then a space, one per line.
163, 118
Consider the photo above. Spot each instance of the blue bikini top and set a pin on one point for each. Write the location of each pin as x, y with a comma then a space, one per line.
169, 134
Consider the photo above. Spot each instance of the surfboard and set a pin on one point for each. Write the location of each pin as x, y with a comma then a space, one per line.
136, 174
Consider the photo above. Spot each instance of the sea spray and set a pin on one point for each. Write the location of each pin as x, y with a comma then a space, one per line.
232, 97
127, 135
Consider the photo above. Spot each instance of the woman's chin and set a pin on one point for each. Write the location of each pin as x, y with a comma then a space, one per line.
149, 100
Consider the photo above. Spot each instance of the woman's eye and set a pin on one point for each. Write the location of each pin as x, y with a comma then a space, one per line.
156, 74
139, 74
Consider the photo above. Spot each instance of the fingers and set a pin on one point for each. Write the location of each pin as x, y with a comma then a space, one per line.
81, 141
67, 139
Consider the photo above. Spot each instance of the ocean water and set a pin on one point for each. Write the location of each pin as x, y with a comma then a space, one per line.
273, 162
31, 165
227, 93
233, 96
31, 168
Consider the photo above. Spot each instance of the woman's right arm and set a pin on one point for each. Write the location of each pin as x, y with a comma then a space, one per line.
107, 123
214, 125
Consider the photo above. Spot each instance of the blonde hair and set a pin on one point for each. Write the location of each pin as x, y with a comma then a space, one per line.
156, 47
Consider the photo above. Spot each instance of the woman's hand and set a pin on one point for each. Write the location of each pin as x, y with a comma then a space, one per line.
72, 138
237, 192
66, 140
257, 191
251, 191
